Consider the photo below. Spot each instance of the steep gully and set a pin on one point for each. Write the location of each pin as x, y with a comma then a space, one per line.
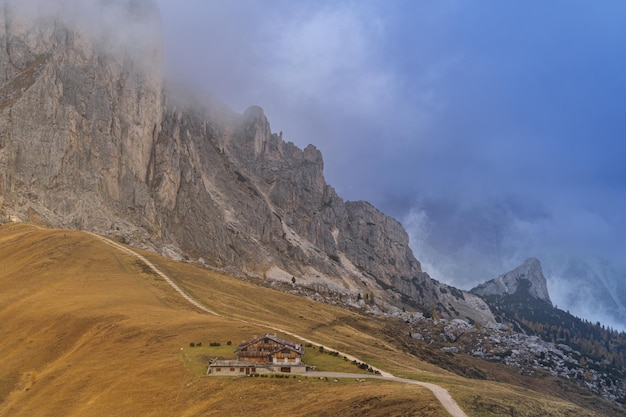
440, 393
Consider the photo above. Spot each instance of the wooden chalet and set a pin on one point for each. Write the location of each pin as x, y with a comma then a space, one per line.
270, 349
261, 355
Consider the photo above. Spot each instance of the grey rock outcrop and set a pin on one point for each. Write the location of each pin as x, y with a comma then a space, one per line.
88, 139
78, 114
527, 277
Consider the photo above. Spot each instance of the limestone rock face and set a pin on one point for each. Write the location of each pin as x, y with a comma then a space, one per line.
230, 191
88, 139
526, 277
77, 120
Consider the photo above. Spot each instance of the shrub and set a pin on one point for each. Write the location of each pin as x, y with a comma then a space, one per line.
229, 343
192, 344
215, 344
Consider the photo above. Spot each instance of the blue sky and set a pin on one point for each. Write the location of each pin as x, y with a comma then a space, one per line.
493, 130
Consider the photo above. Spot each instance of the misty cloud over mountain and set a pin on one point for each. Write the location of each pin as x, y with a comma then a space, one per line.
492, 133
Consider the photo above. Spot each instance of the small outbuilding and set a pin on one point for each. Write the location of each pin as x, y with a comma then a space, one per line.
262, 355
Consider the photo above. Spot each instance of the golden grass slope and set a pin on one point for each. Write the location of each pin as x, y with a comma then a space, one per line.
86, 330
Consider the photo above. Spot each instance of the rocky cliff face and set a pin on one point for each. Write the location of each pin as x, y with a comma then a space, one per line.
527, 277
89, 140
79, 113
231, 192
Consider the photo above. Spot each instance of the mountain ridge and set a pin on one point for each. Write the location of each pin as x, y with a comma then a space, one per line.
110, 150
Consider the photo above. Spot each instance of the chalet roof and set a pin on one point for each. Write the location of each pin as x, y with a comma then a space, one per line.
297, 347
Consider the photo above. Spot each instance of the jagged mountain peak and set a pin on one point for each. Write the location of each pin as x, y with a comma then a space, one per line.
526, 277
89, 141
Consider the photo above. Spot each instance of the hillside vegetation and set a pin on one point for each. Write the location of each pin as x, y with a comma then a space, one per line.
90, 331
595, 341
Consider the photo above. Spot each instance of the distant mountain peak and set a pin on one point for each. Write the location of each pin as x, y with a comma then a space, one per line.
526, 277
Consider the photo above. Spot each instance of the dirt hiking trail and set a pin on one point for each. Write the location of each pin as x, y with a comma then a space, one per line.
440, 393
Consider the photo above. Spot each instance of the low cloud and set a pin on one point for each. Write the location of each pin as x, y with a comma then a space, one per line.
466, 247
322, 72
129, 27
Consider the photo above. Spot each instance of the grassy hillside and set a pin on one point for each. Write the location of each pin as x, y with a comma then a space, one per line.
90, 331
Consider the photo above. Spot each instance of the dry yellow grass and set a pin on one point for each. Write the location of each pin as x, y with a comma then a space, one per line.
86, 330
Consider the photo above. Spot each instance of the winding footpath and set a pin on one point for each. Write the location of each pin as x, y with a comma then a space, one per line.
440, 393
